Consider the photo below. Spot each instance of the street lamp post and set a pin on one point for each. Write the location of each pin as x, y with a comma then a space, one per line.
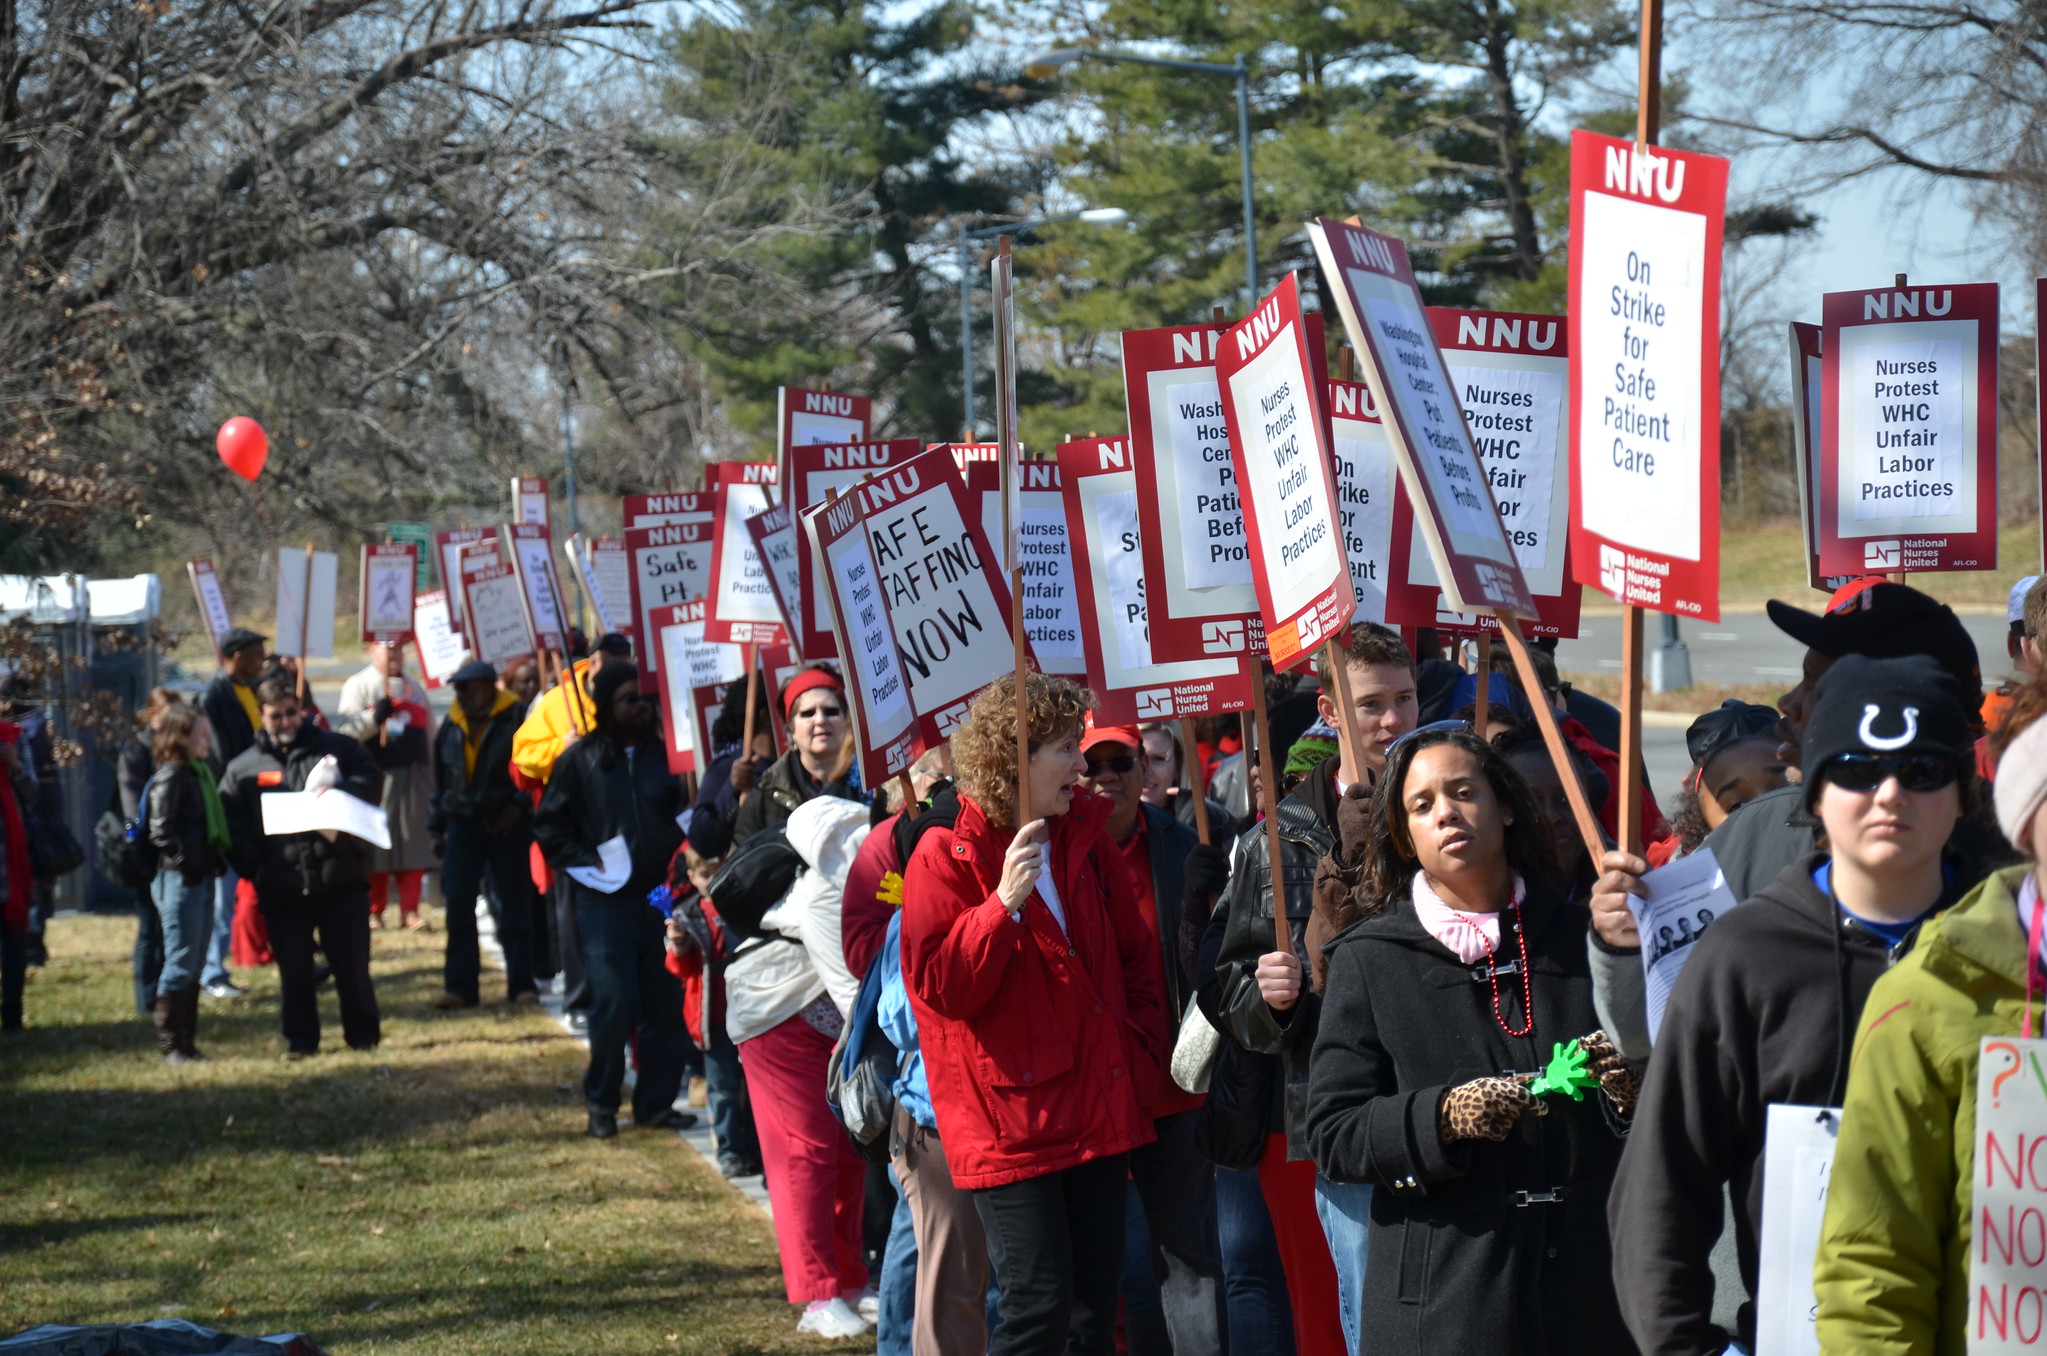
1094, 216
1044, 64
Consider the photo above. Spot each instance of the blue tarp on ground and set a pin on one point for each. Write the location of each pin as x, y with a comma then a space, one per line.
163, 1337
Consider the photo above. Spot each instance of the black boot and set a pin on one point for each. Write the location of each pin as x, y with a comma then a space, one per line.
167, 1018
188, 1022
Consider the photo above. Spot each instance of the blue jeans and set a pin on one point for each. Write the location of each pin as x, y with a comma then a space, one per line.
185, 909
217, 947
1345, 1209
471, 855
1144, 1315
148, 959
725, 1090
631, 994
1261, 1318
898, 1286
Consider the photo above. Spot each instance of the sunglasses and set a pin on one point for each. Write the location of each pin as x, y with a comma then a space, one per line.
1122, 762
1866, 772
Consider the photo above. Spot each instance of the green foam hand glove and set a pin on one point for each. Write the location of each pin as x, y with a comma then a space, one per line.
1567, 1073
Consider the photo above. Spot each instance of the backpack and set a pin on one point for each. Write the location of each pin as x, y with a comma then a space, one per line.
861, 1079
753, 880
122, 847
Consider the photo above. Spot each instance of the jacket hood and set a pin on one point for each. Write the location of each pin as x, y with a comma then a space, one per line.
826, 832
1982, 932
504, 702
1801, 903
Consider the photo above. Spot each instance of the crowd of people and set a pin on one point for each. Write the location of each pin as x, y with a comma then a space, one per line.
1068, 1061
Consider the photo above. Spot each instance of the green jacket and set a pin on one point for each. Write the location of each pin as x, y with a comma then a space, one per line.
1892, 1274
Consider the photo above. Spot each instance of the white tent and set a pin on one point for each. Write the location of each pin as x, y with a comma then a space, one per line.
53, 599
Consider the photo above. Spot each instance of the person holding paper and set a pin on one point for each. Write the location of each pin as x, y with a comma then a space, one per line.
480, 823
1769, 997
1037, 996
307, 883
188, 829
608, 823
385, 707
1488, 1223
1892, 1275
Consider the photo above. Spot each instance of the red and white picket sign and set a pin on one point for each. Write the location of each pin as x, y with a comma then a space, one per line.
666, 510
212, 602
529, 500
387, 578
1806, 386
1050, 600
1370, 502
448, 549
1197, 560
947, 600
778, 543
666, 567
764, 473
1098, 488
499, 630
690, 665
850, 586
440, 648
806, 418
1512, 374
743, 609
531, 551
1645, 373
1908, 430
1373, 284
1271, 386
815, 470
599, 564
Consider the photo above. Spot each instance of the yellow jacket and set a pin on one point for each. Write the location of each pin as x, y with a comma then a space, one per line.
540, 740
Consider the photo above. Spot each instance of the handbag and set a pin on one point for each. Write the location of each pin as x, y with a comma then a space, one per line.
1194, 1050
121, 847
53, 849
860, 1081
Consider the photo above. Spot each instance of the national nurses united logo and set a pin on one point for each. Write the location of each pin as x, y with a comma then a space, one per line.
1613, 570
1883, 555
1155, 704
1222, 637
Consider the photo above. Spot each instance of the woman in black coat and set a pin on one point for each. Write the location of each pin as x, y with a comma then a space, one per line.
1488, 1219
133, 767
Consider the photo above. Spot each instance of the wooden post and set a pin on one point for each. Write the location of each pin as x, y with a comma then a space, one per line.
1351, 764
753, 689
1553, 737
1481, 712
1268, 801
305, 622
1190, 762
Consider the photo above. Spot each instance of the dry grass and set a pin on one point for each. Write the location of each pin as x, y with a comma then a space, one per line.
437, 1195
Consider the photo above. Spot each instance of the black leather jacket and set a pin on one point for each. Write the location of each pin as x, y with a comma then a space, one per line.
177, 824
460, 798
598, 793
297, 864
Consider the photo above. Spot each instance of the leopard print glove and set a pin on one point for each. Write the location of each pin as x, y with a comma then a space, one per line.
1484, 1108
1620, 1083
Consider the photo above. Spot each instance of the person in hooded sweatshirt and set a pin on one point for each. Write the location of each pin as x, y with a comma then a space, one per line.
1765, 1007
1892, 1271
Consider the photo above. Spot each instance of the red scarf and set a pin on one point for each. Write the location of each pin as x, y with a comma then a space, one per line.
14, 841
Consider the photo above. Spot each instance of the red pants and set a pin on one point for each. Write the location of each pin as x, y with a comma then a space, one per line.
1303, 1250
409, 884
816, 1182
249, 943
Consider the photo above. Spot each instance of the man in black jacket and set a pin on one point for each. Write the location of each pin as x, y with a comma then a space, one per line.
608, 822
229, 704
479, 822
307, 881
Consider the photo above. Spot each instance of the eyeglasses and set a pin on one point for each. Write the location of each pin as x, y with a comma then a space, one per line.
1121, 763
1866, 772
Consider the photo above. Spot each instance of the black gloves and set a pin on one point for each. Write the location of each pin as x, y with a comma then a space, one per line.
1207, 871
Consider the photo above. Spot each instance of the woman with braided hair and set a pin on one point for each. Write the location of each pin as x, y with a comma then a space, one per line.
1465, 978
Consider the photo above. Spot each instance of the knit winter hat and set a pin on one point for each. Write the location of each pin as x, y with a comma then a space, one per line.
2022, 785
1902, 706
608, 681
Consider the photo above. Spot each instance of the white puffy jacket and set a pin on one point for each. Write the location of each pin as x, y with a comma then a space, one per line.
770, 983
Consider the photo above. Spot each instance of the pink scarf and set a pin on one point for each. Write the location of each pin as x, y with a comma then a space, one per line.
1469, 936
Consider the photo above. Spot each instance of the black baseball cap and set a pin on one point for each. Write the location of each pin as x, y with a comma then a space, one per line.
613, 643
1881, 620
1729, 723
475, 671
238, 639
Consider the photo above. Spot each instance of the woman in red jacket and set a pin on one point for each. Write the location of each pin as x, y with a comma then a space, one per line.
1036, 987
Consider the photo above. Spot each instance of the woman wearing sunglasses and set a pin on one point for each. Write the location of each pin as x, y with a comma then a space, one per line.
1893, 1267
1769, 999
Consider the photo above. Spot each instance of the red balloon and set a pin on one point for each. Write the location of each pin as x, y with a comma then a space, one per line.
244, 446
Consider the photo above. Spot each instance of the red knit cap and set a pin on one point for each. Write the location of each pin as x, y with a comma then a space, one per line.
806, 681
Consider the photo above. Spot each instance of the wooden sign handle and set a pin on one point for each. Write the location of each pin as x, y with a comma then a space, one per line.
1268, 800
1629, 820
1351, 765
1190, 762
1482, 708
305, 622
1559, 754
753, 690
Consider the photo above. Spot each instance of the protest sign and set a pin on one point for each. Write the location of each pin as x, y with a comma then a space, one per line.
948, 605
1279, 449
1806, 385
1908, 430
1050, 600
2007, 1296
1197, 561
1798, 1160
1682, 900
2040, 410
1645, 373
778, 544
448, 548
849, 584
530, 550
1373, 284
499, 630
688, 662
767, 474
529, 501
806, 418
966, 454
600, 564
305, 631
743, 608
387, 583
212, 602
665, 510
665, 567
421, 535
1099, 492
814, 471
1368, 497
441, 650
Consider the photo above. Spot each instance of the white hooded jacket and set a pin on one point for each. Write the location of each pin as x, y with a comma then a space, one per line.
773, 981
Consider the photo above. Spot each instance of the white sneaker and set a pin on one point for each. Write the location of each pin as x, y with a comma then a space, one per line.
866, 1302
831, 1319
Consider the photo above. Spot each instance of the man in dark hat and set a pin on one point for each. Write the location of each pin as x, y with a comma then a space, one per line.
608, 823
229, 702
480, 823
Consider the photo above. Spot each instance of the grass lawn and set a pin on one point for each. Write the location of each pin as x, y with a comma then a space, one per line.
437, 1195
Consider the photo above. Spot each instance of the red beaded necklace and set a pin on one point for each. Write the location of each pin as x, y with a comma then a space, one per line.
1512, 918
